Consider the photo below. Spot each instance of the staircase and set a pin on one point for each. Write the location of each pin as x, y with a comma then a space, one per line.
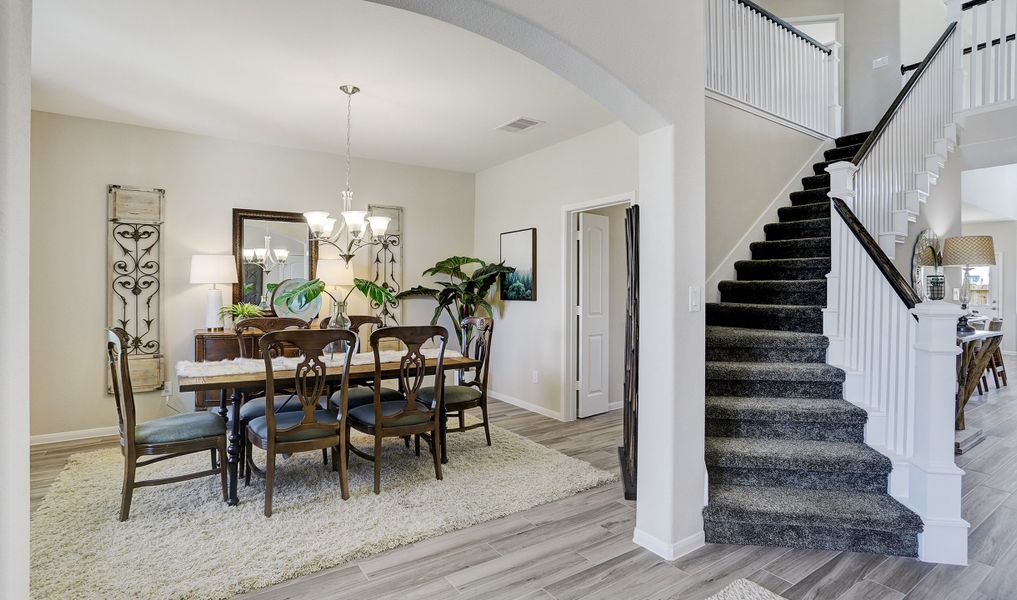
785, 452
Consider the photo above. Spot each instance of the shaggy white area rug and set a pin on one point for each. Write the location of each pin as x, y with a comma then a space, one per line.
743, 589
182, 541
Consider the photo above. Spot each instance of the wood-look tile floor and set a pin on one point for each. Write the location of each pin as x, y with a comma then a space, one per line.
581, 547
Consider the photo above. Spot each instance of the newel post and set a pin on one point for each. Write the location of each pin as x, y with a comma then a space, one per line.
935, 486
836, 110
842, 185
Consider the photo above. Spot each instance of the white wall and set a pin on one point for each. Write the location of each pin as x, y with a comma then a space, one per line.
749, 161
15, 116
617, 298
1004, 239
530, 192
940, 213
921, 24
74, 159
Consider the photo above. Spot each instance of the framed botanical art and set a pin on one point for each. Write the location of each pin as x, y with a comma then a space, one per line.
519, 250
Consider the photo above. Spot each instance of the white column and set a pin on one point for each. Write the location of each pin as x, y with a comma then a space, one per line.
935, 486
842, 186
15, 139
836, 110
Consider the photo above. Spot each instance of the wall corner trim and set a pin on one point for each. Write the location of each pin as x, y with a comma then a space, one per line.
80, 434
666, 550
523, 404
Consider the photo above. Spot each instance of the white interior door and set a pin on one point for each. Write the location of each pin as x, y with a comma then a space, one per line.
987, 289
593, 310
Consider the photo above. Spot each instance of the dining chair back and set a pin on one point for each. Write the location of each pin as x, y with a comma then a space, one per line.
409, 415
310, 428
164, 438
265, 325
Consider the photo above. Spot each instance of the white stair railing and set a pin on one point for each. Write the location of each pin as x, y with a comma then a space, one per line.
757, 58
987, 51
899, 354
900, 161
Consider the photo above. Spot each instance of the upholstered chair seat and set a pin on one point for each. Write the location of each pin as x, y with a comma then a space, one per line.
179, 428
252, 409
360, 396
455, 395
364, 415
259, 426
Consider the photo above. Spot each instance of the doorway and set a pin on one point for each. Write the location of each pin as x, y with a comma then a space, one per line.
596, 279
987, 289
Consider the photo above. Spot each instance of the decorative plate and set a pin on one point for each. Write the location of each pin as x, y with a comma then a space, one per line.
293, 308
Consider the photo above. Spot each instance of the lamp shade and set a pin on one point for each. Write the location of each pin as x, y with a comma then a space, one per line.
969, 251
333, 271
213, 268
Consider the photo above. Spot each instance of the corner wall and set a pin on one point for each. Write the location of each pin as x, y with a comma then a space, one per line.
73, 159
530, 191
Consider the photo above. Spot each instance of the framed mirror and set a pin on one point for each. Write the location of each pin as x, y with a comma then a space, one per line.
270, 247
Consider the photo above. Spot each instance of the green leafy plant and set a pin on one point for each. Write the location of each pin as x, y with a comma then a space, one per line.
304, 293
462, 294
240, 311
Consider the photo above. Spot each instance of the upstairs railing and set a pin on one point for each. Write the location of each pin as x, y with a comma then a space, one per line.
900, 160
988, 51
898, 353
757, 58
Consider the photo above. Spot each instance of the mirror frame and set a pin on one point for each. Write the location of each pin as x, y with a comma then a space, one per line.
242, 214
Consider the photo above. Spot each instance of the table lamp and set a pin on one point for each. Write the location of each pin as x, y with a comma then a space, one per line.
334, 272
968, 251
213, 269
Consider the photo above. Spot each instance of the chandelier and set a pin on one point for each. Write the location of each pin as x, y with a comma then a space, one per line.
358, 229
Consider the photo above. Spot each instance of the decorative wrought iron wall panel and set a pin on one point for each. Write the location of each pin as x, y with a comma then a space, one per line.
387, 264
134, 276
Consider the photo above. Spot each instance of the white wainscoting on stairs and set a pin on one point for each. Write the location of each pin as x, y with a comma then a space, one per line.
754, 57
987, 52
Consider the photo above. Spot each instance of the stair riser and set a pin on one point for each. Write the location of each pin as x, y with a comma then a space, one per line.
811, 248
852, 140
820, 167
797, 230
786, 355
787, 430
805, 212
843, 481
809, 197
769, 272
823, 538
779, 389
844, 153
753, 320
816, 182
759, 296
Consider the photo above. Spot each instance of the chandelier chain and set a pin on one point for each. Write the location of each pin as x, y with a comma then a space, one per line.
349, 131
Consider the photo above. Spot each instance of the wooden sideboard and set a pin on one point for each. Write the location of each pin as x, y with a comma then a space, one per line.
217, 345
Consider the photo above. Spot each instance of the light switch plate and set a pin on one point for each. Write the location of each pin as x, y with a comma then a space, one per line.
695, 298
956, 294
880, 62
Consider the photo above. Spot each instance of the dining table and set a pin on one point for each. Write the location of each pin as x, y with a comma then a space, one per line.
232, 386
976, 351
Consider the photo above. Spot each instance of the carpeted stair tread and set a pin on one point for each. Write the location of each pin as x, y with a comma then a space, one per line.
844, 153
784, 317
795, 455
818, 247
781, 291
770, 269
853, 139
791, 410
816, 182
792, 506
769, 371
820, 167
798, 229
809, 196
717, 336
804, 212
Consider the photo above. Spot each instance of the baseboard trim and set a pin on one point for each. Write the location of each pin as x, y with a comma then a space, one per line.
540, 410
68, 436
615, 405
669, 551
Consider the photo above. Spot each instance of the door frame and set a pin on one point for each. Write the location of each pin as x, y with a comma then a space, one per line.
569, 219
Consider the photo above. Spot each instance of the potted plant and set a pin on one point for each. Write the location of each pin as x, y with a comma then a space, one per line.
240, 311
309, 290
462, 294
936, 283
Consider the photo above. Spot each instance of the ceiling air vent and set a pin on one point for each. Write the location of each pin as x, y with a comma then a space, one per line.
520, 125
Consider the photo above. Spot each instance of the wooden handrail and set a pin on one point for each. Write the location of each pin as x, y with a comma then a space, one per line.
887, 268
784, 24
884, 122
973, 3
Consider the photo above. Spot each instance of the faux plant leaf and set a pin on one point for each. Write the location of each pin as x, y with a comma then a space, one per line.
374, 292
303, 293
418, 292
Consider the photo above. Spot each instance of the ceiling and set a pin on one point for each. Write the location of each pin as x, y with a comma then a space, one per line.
266, 71
989, 194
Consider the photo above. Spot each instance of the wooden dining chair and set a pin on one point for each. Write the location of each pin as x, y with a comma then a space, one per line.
996, 366
472, 393
164, 438
364, 393
310, 428
408, 415
250, 409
